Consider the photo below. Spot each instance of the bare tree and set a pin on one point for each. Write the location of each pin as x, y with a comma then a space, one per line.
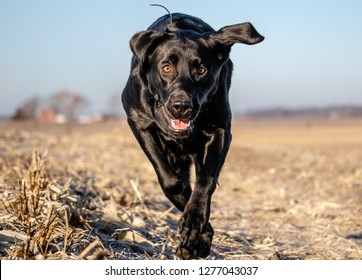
64, 102
28, 109
67, 103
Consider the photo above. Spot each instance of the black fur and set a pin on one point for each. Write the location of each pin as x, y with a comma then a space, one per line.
177, 104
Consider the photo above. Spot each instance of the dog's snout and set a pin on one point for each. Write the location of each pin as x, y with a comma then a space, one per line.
182, 108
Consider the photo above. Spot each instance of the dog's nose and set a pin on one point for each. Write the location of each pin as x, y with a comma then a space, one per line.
183, 108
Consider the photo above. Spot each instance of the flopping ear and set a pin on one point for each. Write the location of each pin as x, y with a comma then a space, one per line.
227, 36
141, 41
144, 43
239, 33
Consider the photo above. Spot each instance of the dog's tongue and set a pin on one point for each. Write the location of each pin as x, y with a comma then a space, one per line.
180, 124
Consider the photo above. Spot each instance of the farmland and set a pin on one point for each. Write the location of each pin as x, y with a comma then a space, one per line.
289, 189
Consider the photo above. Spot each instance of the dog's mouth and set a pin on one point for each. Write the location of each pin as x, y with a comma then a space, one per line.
177, 125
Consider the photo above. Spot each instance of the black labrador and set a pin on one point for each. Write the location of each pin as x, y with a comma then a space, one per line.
177, 104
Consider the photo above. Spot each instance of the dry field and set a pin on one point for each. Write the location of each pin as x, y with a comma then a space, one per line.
288, 190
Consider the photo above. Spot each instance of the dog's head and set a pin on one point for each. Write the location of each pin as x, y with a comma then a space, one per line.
181, 69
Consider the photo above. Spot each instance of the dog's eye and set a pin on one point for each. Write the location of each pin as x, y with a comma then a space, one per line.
166, 68
201, 70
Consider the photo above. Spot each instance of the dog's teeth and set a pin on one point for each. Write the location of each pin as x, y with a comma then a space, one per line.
180, 124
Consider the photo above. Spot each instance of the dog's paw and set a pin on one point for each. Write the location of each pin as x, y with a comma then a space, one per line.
191, 225
199, 248
186, 253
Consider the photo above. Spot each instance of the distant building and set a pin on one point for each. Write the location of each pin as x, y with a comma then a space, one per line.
46, 115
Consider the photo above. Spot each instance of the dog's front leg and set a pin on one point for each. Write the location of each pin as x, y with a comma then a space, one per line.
175, 184
195, 229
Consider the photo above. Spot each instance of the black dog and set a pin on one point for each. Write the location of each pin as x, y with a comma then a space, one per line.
177, 104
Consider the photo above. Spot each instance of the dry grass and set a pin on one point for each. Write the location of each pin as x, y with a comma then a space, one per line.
288, 190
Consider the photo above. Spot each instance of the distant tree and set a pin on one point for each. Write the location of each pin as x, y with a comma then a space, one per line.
67, 103
64, 102
28, 109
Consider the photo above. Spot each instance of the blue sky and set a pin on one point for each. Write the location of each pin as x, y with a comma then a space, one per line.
312, 54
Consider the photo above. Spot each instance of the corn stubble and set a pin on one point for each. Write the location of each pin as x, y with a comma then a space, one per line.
288, 190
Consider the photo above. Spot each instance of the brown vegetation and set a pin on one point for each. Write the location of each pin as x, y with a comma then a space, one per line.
288, 190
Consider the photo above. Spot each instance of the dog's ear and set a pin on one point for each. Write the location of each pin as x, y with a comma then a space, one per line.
239, 33
227, 36
141, 41
145, 42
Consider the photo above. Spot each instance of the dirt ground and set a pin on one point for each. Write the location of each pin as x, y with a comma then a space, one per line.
288, 190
